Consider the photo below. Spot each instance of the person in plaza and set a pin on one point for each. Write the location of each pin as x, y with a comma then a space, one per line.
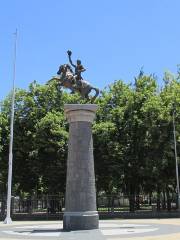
78, 70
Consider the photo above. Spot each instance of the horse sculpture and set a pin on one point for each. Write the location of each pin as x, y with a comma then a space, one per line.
67, 79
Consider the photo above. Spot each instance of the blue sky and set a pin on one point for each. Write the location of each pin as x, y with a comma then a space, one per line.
113, 39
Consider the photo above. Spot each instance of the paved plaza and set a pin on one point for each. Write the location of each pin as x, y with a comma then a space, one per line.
147, 229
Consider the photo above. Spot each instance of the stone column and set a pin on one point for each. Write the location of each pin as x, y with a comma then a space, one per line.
80, 202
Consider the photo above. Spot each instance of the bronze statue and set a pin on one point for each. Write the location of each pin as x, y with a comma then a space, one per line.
73, 80
78, 69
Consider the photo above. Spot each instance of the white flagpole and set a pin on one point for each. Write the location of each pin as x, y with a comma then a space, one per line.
8, 214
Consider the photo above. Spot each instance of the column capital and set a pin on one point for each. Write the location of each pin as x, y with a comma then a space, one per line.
80, 112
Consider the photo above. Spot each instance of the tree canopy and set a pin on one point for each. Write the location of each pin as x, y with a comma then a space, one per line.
133, 137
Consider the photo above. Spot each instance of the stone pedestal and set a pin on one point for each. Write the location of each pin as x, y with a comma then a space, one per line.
80, 202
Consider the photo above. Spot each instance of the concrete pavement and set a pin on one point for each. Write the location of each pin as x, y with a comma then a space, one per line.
144, 229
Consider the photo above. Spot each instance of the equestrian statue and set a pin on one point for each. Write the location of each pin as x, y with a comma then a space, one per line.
73, 80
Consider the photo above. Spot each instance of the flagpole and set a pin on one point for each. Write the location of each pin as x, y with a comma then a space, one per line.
8, 219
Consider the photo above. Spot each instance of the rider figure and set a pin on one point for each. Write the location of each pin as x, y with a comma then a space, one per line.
78, 69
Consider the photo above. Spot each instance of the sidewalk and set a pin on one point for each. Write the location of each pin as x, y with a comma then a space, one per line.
173, 236
144, 229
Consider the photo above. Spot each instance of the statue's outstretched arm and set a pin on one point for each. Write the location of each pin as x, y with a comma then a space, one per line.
70, 60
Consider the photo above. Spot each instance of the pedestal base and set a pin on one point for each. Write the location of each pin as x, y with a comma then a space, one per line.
80, 220
80, 201
8, 220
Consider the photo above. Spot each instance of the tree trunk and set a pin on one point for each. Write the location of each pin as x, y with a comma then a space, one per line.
168, 200
158, 200
138, 202
150, 198
164, 201
132, 203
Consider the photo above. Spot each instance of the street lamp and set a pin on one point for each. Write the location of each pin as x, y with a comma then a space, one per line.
8, 214
175, 153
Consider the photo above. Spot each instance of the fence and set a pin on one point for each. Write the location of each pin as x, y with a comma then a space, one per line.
48, 206
137, 203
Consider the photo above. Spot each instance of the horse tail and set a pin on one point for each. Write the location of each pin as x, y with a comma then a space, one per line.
96, 94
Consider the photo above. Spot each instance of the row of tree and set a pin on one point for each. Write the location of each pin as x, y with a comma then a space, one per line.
133, 138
